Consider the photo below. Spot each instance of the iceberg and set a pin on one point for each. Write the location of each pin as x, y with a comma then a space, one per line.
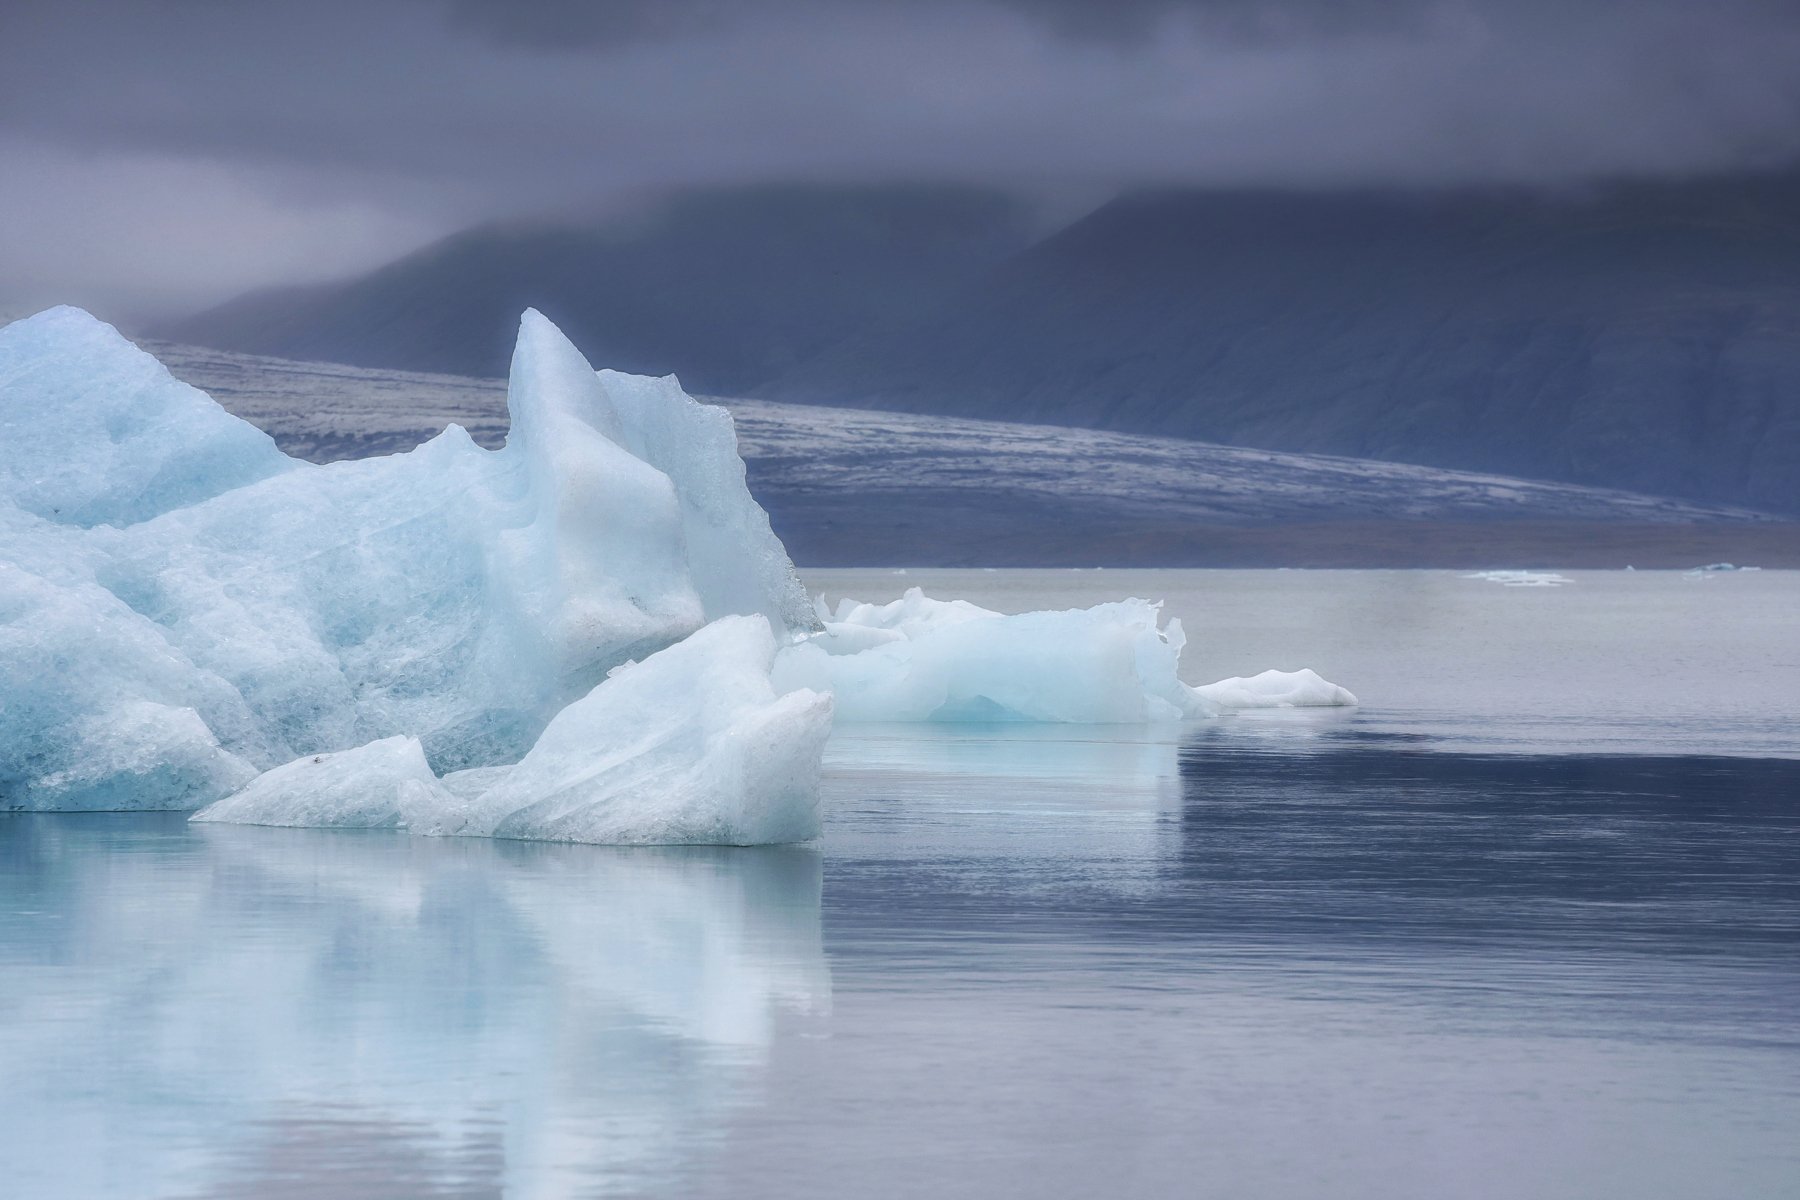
183, 608
920, 659
590, 634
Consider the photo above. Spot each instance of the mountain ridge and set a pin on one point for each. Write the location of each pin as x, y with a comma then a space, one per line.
1642, 336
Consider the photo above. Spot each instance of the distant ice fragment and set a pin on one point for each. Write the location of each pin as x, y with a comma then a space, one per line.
919, 659
1536, 579
1275, 689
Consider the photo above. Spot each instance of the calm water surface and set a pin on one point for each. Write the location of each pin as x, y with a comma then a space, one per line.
1525, 924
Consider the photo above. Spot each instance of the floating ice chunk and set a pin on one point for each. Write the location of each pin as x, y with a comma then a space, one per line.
692, 745
952, 661
165, 571
1275, 689
383, 785
919, 659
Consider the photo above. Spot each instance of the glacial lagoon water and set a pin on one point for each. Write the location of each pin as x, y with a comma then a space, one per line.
1526, 923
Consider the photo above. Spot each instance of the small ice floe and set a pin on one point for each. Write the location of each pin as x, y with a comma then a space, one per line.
920, 659
1536, 579
1718, 568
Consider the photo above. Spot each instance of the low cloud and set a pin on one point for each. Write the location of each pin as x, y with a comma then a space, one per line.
339, 133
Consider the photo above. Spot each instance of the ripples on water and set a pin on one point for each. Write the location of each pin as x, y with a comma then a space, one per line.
1341, 954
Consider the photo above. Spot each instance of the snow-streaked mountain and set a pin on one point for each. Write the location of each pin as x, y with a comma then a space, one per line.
856, 487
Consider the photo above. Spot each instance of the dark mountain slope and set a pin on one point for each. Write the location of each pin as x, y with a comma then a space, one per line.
1643, 336
726, 288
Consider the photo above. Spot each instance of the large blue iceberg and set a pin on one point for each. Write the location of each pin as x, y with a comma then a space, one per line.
183, 607
590, 634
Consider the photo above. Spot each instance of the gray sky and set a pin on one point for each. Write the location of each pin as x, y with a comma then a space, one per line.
156, 156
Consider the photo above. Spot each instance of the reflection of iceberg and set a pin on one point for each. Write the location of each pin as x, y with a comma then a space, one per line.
1116, 759
540, 1019
1009, 791
919, 659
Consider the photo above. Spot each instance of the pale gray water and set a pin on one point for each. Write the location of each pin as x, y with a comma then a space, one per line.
1526, 924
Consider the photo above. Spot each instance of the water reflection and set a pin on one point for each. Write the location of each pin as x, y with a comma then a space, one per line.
1093, 758
917, 807
201, 1011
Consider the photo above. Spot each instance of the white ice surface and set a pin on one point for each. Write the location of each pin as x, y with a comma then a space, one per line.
1275, 689
919, 659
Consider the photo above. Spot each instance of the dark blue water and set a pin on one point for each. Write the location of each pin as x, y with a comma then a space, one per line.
1428, 948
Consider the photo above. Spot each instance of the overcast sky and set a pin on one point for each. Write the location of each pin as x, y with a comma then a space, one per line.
158, 156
